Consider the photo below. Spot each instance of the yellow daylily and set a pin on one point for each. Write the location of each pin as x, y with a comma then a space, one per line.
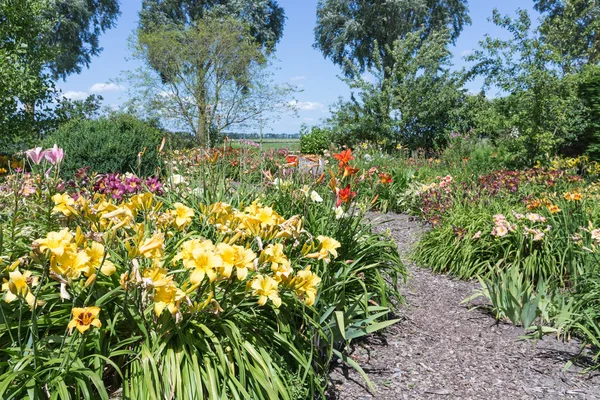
265, 288
84, 318
305, 283
329, 247
236, 256
153, 247
63, 203
56, 242
280, 265
183, 215
17, 285
167, 296
71, 264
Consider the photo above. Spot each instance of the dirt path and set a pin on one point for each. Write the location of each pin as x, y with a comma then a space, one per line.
441, 350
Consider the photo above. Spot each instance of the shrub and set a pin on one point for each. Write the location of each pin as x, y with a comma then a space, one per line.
109, 145
314, 142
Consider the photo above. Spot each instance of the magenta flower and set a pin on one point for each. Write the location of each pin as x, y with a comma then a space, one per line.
36, 155
55, 155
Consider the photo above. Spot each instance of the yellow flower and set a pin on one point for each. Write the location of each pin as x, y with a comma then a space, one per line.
17, 285
71, 264
56, 242
84, 318
153, 247
280, 265
141, 201
96, 253
183, 215
167, 296
155, 276
205, 264
191, 249
265, 288
199, 256
573, 196
63, 203
235, 256
305, 283
329, 247
553, 209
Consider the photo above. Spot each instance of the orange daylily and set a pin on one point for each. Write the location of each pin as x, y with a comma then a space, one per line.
345, 195
385, 179
349, 171
292, 161
344, 157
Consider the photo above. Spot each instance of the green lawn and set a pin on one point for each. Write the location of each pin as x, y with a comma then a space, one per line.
268, 144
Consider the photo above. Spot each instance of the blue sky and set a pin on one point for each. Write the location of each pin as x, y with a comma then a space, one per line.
298, 62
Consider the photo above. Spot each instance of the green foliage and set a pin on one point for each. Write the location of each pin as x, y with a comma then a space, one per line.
348, 31
570, 27
109, 145
40, 41
589, 92
542, 110
314, 141
411, 100
265, 18
513, 298
579, 312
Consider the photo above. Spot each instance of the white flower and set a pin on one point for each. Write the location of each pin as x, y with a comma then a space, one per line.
314, 196
177, 179
368, 157
305, 190
339, 213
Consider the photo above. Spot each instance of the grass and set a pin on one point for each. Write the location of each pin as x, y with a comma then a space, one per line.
273, 144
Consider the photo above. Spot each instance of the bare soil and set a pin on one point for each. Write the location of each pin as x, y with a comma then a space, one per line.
444, 350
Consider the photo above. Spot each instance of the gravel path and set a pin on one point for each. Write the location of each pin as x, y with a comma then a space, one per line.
441, 350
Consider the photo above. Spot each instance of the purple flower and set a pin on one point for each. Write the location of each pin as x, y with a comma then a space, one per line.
54, 155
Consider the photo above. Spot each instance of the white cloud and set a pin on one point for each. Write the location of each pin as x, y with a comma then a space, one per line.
72, 95
297, 78
105, 87
307, 105
466, 53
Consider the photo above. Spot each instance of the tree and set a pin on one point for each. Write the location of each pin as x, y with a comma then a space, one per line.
410, 101
41, 41
212, 77
265, 18
350, 30
75, 36
23, 58
572, 28
541, 104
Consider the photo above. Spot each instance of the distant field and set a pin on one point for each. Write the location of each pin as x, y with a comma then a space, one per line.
268, 144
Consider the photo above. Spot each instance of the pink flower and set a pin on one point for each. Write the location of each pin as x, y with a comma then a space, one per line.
55, 155
36, 155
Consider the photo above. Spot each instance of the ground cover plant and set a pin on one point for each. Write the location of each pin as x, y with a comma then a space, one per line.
184, 285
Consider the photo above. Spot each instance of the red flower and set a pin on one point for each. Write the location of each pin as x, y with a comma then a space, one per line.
345, 195
292, 161
344, 157
385, 179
